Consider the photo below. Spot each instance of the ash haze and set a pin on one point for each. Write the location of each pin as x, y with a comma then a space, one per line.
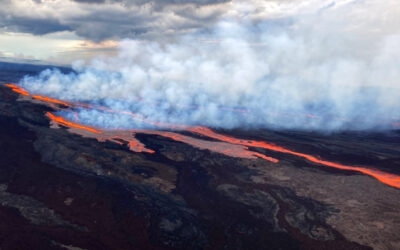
319, 65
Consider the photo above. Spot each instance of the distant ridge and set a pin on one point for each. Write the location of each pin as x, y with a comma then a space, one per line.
15, 71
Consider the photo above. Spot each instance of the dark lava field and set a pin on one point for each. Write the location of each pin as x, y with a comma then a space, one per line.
62, 190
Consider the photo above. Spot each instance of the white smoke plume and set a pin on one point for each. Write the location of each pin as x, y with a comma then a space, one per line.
336, 68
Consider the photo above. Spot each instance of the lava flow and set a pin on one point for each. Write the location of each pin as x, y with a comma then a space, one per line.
17, 89
387, 178
23, 92
227, 145
119, 136
64, 122
229, 149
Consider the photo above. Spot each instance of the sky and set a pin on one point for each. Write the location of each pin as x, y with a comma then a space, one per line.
63, 31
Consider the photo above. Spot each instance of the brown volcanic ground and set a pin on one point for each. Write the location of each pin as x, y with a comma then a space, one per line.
59, 190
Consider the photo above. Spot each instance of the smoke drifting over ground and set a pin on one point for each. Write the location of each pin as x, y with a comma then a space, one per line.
337, 68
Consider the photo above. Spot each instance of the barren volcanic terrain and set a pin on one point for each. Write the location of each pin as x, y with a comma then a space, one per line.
64, 185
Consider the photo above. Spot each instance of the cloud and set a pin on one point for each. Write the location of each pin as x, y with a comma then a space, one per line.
89, 1
107, 19
33, 25
331, 69
99, 20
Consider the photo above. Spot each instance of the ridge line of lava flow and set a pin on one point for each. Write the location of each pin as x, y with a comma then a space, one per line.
387, 178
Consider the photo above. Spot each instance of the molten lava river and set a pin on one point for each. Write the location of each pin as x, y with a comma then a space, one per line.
223, 144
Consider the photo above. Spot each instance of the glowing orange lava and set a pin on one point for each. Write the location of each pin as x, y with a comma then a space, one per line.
22, 91
387, 178
64, 122
117, 136
137, 146
51, 100
17, 89
228, 149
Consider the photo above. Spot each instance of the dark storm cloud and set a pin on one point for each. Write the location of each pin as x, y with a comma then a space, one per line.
106, 23
108, 19
36, 26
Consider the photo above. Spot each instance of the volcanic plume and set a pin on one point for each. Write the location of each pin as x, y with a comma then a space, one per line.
315, 71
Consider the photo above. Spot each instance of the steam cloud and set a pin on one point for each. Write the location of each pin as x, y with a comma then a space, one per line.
337, 68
